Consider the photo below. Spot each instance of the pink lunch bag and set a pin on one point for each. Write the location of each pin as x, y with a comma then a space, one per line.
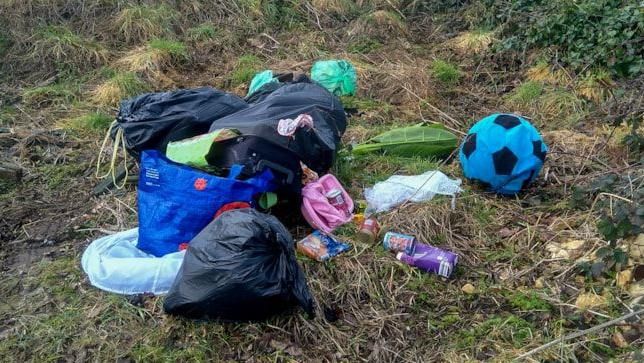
318, 210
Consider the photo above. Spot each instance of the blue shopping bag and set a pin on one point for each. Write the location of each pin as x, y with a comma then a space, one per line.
176, 202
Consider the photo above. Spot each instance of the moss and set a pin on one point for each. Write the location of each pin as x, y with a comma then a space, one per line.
528, 301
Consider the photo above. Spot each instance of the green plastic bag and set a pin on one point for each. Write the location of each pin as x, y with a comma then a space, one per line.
193, 151
259, 80
337, 76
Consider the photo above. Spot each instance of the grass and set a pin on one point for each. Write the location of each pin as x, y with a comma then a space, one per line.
364, 45
595, 86
139, 23
476, 41
5, 42
62, 92
56, 176
8, 115
61, 46
120, 86
445, 72
543, 72
202, 32
509, 329
153, 57
245, 69
95, 121
380, 24
527, 93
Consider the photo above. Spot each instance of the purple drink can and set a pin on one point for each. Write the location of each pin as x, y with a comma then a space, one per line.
399, 242
431, 259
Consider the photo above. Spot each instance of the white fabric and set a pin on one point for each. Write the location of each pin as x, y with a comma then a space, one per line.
416, 188
287, 126
114, 264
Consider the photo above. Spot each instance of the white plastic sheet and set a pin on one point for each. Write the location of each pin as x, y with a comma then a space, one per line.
415, 188
114, 264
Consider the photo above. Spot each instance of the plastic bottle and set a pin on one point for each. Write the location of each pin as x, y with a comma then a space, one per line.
430, 259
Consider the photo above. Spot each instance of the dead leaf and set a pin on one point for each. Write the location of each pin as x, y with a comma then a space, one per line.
468, 289
619, 341
624, 277
636, 248
538, 283
556, 251
637, 289
589, 300
570, 249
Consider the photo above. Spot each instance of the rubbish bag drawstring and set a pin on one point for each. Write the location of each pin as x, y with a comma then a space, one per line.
119, 139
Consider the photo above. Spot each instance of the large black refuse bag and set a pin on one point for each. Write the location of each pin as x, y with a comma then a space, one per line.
315, 147
152, 120
241, 267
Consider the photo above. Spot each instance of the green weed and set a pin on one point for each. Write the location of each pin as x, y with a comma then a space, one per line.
526, 93
202, 32
173, 48
511, 329
247, 66
528, 301
445, 72
143, 22
93, 121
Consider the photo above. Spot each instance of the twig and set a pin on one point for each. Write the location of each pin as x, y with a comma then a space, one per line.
579, 333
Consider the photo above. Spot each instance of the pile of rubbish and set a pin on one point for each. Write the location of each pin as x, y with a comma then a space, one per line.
211, 167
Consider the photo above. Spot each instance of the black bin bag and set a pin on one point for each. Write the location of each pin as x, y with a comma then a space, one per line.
241, 267
152, 120
315, 147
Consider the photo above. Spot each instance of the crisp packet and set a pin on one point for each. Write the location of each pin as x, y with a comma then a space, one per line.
321, 247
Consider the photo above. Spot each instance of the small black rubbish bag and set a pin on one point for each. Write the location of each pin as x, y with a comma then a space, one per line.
152, 120
315, 147
241, 267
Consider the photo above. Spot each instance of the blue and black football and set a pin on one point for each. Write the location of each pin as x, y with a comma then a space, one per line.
503, 152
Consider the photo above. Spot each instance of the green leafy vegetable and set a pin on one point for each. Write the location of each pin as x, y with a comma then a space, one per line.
418, 140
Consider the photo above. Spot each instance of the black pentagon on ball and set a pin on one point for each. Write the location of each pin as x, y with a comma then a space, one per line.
504, 161
507, 121
469, 145
537, 150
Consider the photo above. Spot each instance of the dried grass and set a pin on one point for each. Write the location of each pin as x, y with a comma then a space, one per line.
545, 73
381, 24
475, 42
153, 58
595, 86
